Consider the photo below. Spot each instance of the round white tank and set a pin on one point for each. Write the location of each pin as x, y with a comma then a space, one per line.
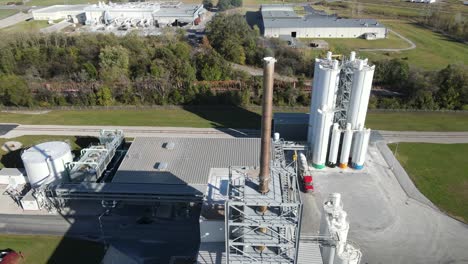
45, 162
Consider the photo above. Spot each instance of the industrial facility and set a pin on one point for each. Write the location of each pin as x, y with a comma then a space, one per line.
281, 20
212, 200
136, 14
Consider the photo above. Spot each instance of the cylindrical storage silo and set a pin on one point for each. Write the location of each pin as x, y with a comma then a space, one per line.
361, 149
360, 93
45, 162
334, 146
324, 92
346, 147
319, 150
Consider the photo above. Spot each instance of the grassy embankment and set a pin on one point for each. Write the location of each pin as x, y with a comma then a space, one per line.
6, 13
30, 26
53, 249
440, 172
234, 117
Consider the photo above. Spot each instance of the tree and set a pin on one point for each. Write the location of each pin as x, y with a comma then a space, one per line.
208, 4
113, 62
104, 96
453, 87
14, 91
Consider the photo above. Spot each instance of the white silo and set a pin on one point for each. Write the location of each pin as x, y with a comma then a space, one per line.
346, 146
360, 92
322, 127
361, 149
45, 162
334, 145
324, 92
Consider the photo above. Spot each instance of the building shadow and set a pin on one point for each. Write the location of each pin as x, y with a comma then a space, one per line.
227, 117
254, 18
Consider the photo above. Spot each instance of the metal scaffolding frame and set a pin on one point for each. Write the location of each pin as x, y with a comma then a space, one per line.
95, 159
276, 231
344, 94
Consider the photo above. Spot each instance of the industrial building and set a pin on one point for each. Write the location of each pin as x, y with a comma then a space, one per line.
283, 21
137, 14
207, 200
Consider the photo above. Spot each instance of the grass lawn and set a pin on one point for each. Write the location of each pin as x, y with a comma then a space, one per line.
31, 26
6, 13
417, 121
433, 50
233, 117
440, 172
53, 249
13, 159
344, 46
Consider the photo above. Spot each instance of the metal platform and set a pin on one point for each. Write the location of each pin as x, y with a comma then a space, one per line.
270, 237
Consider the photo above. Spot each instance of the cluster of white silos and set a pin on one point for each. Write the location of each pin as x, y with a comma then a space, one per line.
334, 228
342, 144
45, 162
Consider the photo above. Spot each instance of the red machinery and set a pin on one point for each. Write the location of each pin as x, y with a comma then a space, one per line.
307, 180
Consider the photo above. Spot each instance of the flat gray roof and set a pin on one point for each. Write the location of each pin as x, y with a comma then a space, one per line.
283, 16
58, 8
189, 162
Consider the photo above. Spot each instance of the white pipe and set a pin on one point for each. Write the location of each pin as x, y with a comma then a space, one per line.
352, 56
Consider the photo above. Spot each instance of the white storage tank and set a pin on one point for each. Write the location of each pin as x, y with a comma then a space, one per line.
45, 162
360, 93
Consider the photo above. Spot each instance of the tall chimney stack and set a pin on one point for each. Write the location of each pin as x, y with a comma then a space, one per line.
267, 109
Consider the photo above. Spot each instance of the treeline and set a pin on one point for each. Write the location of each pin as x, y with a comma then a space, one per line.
455, 25
222, 4
429, 90
98, 69
127, 70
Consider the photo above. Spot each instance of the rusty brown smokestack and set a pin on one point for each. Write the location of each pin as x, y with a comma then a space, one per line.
267, 112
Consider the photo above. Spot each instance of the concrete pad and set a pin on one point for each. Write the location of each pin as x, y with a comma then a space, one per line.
386, 224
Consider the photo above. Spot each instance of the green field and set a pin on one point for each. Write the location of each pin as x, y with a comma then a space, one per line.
233, 117
53, 249
6, 13
433, 50
440, 172
31, 26
344, 46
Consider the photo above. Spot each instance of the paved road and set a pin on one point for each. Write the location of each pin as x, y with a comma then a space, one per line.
14, 19
130, 131
387, 224
411, 43
15, 130
56, 27
420, 136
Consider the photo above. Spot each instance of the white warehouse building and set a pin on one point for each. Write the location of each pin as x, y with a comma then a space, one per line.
282, 20
136, 13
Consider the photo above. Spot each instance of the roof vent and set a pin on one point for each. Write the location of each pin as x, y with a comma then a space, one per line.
169, 145
161, 165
